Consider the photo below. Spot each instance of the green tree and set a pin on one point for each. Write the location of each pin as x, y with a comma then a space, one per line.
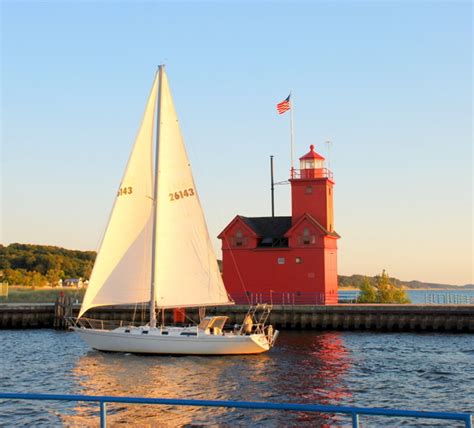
384, 288
400, 295
53, 276
87, 269
382, 291
15, 276
37, 280
368, 293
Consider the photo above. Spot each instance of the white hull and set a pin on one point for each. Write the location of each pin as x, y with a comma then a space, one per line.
184, 341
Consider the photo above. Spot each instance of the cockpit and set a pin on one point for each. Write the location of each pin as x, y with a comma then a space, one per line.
213, 325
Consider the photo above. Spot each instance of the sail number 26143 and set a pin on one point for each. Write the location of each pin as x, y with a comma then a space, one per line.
180, 194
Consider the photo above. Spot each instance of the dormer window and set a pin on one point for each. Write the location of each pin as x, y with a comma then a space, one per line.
306, 236
239, 238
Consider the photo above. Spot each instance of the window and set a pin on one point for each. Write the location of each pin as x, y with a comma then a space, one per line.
306, 237
298, 260
281, 260
308, 190
239, 238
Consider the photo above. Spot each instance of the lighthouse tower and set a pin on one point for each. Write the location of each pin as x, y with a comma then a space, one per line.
312, 219
291, 259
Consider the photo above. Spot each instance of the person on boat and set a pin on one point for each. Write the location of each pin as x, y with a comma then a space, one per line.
248, 324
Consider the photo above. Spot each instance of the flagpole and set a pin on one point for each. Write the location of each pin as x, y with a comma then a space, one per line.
291, 135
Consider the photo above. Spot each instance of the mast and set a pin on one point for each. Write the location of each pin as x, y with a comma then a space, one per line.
155, 201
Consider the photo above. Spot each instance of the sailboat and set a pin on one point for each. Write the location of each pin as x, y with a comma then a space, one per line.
156, 249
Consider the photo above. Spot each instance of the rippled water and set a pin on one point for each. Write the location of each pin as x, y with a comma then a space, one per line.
396, 370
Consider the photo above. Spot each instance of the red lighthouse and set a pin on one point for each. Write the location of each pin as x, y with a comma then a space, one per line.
287, 260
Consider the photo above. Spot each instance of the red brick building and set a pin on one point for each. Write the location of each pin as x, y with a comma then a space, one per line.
287, 259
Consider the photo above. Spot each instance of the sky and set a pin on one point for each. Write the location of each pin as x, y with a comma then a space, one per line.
388, 83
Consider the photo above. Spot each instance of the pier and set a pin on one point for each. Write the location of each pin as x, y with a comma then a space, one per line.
370, 317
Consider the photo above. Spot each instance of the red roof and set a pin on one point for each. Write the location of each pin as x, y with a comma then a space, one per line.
312, 154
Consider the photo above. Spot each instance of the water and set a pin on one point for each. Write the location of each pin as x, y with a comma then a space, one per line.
396, 370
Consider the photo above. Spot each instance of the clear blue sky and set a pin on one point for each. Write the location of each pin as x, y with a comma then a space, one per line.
389, 83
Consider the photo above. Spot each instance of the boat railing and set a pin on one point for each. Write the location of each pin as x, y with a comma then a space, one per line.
353, 413
99, 324
259, 314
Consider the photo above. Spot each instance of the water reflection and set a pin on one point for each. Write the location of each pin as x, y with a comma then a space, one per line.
306, 367
314, 371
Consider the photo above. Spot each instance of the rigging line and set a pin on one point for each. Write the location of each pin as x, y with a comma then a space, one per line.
134, 313
242, 283
190, 319
237, 269
146, 251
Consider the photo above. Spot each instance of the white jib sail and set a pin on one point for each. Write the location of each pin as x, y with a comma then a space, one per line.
122, 269
186, 272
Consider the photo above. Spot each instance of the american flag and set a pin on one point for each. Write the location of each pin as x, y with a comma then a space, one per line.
284, 105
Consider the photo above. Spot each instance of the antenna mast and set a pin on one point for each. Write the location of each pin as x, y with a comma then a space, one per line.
328, 142
272, 186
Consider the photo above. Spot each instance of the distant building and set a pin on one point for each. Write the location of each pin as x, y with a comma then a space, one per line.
287, 259
73, 282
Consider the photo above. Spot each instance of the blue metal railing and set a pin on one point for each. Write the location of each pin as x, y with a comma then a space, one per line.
281, 298
354, 412
448, 299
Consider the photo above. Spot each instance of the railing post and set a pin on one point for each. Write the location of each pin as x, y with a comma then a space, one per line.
469, 421
103, 415
355, 420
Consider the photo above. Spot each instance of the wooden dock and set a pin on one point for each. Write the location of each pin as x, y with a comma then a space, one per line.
439, 318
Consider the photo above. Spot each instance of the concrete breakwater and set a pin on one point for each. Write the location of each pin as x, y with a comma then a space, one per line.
441, 318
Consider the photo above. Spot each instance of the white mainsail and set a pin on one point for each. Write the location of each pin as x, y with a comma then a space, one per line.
185, 267
122, 268
186, 270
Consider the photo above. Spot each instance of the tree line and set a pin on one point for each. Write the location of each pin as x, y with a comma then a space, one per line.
40, 265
